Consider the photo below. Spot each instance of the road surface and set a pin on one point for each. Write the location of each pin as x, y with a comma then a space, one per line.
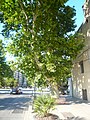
13, 107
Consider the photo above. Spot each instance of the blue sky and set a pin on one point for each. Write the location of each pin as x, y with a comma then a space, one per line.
79, 12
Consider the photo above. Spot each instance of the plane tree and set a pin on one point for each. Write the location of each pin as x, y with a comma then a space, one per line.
40, 31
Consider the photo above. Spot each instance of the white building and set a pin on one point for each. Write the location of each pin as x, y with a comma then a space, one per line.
22, 81
70, 87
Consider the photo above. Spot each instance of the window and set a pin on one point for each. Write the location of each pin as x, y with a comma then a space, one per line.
81, 66
86, 20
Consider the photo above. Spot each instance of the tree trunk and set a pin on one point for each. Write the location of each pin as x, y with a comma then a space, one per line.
54, 91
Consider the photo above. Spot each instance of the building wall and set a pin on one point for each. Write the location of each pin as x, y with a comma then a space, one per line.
81, 81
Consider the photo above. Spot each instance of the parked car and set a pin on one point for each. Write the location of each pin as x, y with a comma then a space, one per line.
17, 90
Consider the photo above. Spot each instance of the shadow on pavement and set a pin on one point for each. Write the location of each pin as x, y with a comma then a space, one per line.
12, 103
67, 100
76, 118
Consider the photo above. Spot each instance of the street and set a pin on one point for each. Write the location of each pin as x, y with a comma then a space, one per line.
19, 107
13, 107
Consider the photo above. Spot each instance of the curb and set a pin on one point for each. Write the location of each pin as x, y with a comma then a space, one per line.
28, 114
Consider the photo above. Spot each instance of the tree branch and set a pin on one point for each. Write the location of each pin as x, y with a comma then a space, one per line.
26, 16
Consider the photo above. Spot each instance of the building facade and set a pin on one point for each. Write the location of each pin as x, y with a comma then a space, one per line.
81, 65
21, 79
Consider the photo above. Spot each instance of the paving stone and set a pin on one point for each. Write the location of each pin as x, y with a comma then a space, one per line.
18, 111
68, 115
11, 118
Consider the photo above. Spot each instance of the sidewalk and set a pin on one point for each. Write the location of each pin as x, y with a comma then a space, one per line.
68, 108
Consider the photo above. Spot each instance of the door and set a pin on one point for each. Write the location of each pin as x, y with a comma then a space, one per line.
84, 93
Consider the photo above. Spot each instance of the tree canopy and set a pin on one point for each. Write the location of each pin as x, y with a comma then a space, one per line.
41, 39
5, 70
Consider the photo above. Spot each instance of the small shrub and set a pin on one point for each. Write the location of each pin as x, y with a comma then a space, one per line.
43, 104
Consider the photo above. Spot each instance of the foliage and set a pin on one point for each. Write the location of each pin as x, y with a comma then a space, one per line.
41, 39
5, 70
10, 82
2, 82
43, 104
